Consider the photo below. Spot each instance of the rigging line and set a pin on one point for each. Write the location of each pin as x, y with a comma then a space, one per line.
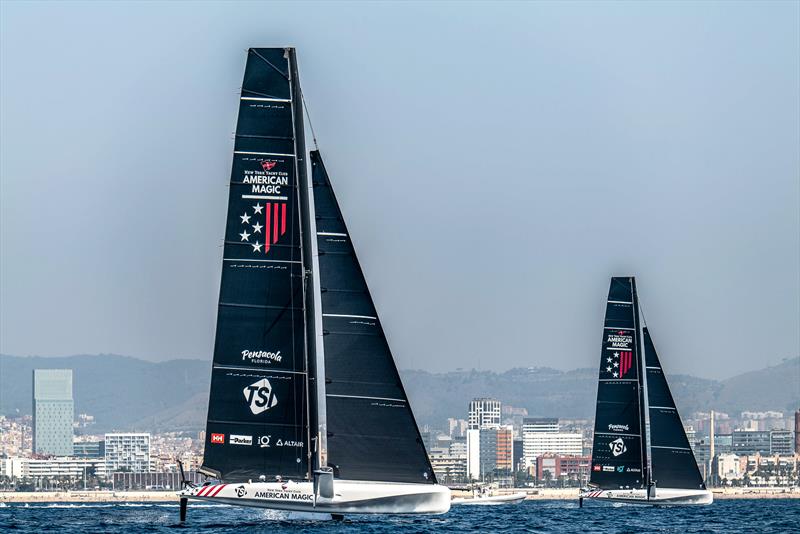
265, 60
308, 114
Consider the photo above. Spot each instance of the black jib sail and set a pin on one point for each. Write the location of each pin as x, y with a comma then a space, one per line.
371, 432
619, 457
258, 408
672, 461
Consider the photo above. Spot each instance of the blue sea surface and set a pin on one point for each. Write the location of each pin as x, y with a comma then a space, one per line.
757, 515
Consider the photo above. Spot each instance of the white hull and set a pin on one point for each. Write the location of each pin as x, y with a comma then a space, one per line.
663, 496
350, 497
490, 500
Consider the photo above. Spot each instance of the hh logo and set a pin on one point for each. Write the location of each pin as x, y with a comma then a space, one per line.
218, 438
617, 447
260, 396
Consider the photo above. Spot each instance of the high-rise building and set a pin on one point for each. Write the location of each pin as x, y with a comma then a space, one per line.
53, 412
484, 413
127, 452
797, 432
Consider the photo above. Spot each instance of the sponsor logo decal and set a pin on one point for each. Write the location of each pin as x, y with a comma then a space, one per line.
261, 356
263, 441
267, 226
235, 439
633, 470
619, 428
268, 165
260, 397
241, 491
608, 468
596, 468
620, 468
288, 443
218, 438
284, 495
617, 447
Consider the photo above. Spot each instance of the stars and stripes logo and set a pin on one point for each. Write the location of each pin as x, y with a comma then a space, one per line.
619, 363
262, 236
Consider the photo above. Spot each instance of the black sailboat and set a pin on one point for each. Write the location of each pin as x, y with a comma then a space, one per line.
307, 410
640, 451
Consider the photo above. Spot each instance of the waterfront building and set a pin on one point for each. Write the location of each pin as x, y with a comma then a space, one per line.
63, 468
89, 449
449, 468
750, 442
764, 442
781, 442
563, 467
53, 412
535, 444
127, 452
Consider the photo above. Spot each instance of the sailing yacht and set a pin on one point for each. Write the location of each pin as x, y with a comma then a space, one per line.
307, 411
640, 452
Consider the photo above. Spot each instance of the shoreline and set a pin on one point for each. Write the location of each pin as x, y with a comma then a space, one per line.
548, 494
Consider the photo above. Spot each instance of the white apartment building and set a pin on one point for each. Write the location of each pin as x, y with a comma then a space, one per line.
484, 413
535, 444
19, 468
128, 452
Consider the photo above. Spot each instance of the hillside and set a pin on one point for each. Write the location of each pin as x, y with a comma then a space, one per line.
125, 393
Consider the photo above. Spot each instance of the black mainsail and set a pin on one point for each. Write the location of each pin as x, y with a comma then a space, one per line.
258, 414
639, 440
303, 378
371, 432
619, 454
672, 462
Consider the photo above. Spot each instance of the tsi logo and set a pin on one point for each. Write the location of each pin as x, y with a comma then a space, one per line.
260, 396
617, 447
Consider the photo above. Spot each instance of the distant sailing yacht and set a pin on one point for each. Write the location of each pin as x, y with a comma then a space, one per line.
307, 411
640, 452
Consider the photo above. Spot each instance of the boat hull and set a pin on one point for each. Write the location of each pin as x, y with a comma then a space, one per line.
350, 497
662, 496
492, 500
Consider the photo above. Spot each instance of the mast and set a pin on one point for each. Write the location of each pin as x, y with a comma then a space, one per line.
306, 237
643, 405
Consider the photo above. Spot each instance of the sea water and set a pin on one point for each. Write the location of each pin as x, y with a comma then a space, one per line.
756, 515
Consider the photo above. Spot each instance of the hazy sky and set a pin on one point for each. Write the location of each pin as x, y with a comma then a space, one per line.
496, 164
